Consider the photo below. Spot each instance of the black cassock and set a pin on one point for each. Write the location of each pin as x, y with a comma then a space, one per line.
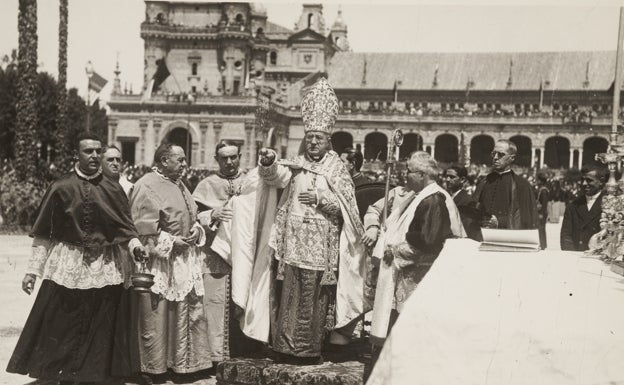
510, 198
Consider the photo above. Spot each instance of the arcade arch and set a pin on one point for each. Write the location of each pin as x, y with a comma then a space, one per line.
411, 142
557, 152
481, 147
592, 146
446, 149
182, 137
524, 154
376, 146
341, 140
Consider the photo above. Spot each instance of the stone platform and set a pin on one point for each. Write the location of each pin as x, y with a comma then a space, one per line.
257, 371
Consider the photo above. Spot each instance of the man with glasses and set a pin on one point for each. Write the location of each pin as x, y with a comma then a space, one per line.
315, 238
506, 198
111, 167
169, 328
422, 217
582, 217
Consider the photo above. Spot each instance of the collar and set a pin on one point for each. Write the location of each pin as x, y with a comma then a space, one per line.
157, 171
85, 176
430, 186
456, 193
593, 197
502, 172
309, 158
238, 174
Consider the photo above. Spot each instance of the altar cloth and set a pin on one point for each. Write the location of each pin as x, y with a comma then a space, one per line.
548, 317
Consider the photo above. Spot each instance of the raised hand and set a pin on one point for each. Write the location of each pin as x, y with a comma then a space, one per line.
266, 156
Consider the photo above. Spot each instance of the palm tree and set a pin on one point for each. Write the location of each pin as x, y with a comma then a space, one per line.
63, 148
25, 149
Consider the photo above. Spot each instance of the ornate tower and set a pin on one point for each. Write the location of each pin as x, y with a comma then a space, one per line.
117, 81
311, 17
339, 33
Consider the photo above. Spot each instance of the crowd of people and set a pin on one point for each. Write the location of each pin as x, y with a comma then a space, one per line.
142, 273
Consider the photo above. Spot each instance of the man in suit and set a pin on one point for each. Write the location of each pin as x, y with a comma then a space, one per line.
454, 179
581, 219
353, 160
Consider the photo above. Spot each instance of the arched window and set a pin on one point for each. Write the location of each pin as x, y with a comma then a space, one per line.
160, 18
259, 32
273, 57
239, 18
310, 16
194, 69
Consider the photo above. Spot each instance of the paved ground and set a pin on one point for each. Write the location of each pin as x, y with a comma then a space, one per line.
15, 304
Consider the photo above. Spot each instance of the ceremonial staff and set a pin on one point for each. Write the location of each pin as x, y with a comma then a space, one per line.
393, 156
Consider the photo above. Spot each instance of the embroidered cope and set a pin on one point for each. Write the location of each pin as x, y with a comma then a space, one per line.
306, 236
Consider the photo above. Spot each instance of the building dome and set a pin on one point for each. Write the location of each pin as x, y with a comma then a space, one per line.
258, 9
339, 24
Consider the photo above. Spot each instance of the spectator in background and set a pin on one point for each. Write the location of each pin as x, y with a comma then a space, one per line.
581, 219
111, 167
454, 180
353, 160
542, 198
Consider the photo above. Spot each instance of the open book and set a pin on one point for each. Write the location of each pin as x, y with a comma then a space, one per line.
510, 240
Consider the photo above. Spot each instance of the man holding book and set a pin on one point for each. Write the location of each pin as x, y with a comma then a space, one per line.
506, 198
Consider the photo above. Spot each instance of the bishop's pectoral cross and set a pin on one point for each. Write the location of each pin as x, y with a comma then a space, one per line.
309, 212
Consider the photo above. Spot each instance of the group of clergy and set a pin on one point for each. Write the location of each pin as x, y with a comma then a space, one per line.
277, 256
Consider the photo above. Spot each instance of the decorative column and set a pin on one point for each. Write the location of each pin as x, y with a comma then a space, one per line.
157, 126
571, 162
216, 127
533, 153
467, 154
249, 143
541, 157
580, 158
433, 151
203, 127
112, 130
143, 126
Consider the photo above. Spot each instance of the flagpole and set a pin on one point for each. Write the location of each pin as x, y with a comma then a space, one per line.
89, 72
617, 85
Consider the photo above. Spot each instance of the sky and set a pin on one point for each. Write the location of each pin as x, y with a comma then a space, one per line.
101, 31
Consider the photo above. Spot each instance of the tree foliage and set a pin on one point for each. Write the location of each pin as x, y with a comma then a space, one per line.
46, 116
63, 161
26, 122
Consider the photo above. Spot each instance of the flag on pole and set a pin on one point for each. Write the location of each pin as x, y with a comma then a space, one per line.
395, 90
541, 94
161, 74
96, 82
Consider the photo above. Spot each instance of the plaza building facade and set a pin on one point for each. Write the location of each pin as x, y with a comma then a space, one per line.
223, 71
